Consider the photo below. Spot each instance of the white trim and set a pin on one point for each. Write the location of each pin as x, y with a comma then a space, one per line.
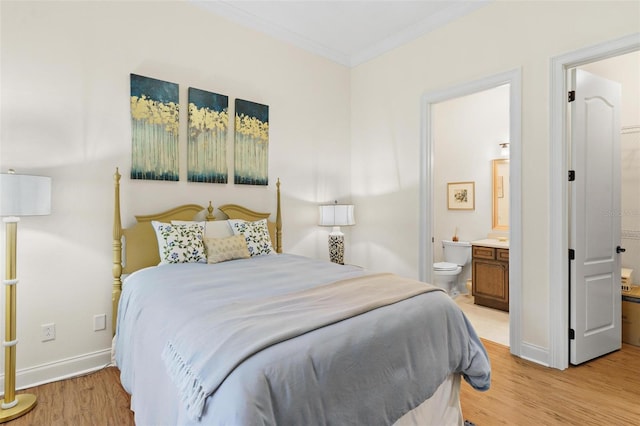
630, 129
535, 353
514, 79
61, 369
230, 10
558, 194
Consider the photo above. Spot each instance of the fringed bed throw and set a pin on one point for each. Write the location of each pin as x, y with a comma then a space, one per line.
205, 352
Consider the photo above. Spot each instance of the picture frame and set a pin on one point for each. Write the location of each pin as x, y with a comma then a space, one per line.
461, 196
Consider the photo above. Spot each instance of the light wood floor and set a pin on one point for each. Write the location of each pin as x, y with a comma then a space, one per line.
605, 391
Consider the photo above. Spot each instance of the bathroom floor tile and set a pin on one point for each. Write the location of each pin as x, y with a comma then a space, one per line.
490, 324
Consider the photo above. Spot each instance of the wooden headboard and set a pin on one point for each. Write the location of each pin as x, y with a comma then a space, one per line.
140, 248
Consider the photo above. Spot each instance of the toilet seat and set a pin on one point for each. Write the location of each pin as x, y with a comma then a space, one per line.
445, 266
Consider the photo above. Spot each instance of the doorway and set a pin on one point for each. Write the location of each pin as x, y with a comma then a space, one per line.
559, 201
469, 133
428, 190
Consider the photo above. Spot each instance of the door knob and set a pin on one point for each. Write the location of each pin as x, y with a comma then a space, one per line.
620, 249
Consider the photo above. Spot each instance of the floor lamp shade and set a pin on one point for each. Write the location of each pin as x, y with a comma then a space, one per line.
20, 195
336, 215
24, 195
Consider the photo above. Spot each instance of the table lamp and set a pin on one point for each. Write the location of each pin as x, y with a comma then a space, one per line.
336, 215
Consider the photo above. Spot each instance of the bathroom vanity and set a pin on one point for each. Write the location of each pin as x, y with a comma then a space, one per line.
490, 273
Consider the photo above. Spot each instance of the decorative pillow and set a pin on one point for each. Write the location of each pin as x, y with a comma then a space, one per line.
228, 248
212, 228
180, 243
256, 234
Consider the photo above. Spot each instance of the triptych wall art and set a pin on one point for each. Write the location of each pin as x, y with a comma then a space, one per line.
207, 143
251, 143
155, 144
154, 129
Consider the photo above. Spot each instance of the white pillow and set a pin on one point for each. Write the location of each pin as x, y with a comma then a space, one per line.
217, 229
256, 234
212, 228
180, 243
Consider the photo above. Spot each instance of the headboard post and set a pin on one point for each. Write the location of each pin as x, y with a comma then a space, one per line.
278, 220
210, 215
117, 253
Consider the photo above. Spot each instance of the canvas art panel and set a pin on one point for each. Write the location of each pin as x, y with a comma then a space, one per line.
154, 129
251, 150
207, 141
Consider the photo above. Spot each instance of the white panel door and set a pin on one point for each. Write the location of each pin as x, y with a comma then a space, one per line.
595, 317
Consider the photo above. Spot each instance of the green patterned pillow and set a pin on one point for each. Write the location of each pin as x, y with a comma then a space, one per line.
180, 243
228, 248
256, 234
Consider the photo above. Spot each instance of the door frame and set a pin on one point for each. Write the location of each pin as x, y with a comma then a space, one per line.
559, 191
426, 189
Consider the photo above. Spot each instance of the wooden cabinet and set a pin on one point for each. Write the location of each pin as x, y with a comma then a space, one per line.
490, 276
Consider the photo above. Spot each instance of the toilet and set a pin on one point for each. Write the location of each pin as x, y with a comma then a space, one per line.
457, 254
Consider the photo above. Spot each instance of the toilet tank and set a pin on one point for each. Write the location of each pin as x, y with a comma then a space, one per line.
458, 252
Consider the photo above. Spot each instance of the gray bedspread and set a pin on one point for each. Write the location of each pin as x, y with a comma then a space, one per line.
369, 369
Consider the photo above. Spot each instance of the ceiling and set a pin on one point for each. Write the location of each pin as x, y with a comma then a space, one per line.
349, 32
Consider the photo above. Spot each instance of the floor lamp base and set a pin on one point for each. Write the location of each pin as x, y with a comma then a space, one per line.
26, 402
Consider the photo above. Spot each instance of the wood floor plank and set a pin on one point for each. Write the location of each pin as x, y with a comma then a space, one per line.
94, 399
605, 391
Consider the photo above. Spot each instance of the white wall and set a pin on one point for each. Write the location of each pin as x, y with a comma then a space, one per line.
65, 114
385, 127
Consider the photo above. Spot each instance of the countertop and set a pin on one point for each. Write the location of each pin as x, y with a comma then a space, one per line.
491, 242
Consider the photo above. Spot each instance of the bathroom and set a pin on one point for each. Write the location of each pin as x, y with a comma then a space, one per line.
469, 134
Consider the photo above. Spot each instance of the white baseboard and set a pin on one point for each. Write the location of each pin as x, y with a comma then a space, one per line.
535, 353
60, 370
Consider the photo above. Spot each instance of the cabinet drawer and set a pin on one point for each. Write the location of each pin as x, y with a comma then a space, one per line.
484, 252
502, 254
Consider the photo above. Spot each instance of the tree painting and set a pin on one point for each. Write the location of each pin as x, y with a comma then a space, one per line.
251, 151
207, 143
154, 129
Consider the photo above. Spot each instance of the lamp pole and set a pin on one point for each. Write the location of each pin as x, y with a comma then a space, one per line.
20, 195
12, 405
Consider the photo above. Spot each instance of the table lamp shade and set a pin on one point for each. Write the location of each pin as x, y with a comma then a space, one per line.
24, 195
336, 215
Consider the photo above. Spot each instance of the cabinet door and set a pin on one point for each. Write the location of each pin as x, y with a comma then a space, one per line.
491, 283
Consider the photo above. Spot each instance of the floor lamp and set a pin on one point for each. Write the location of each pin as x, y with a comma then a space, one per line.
21, 195
336, 215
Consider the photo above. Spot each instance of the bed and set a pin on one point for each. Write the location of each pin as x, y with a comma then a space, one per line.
276, 338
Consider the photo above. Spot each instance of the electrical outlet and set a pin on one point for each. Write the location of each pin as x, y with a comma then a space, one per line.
48, 332
99, 322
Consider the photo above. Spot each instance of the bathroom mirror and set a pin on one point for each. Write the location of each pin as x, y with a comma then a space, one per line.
500, 194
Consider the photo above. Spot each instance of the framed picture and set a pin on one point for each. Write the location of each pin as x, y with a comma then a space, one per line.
461, 196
